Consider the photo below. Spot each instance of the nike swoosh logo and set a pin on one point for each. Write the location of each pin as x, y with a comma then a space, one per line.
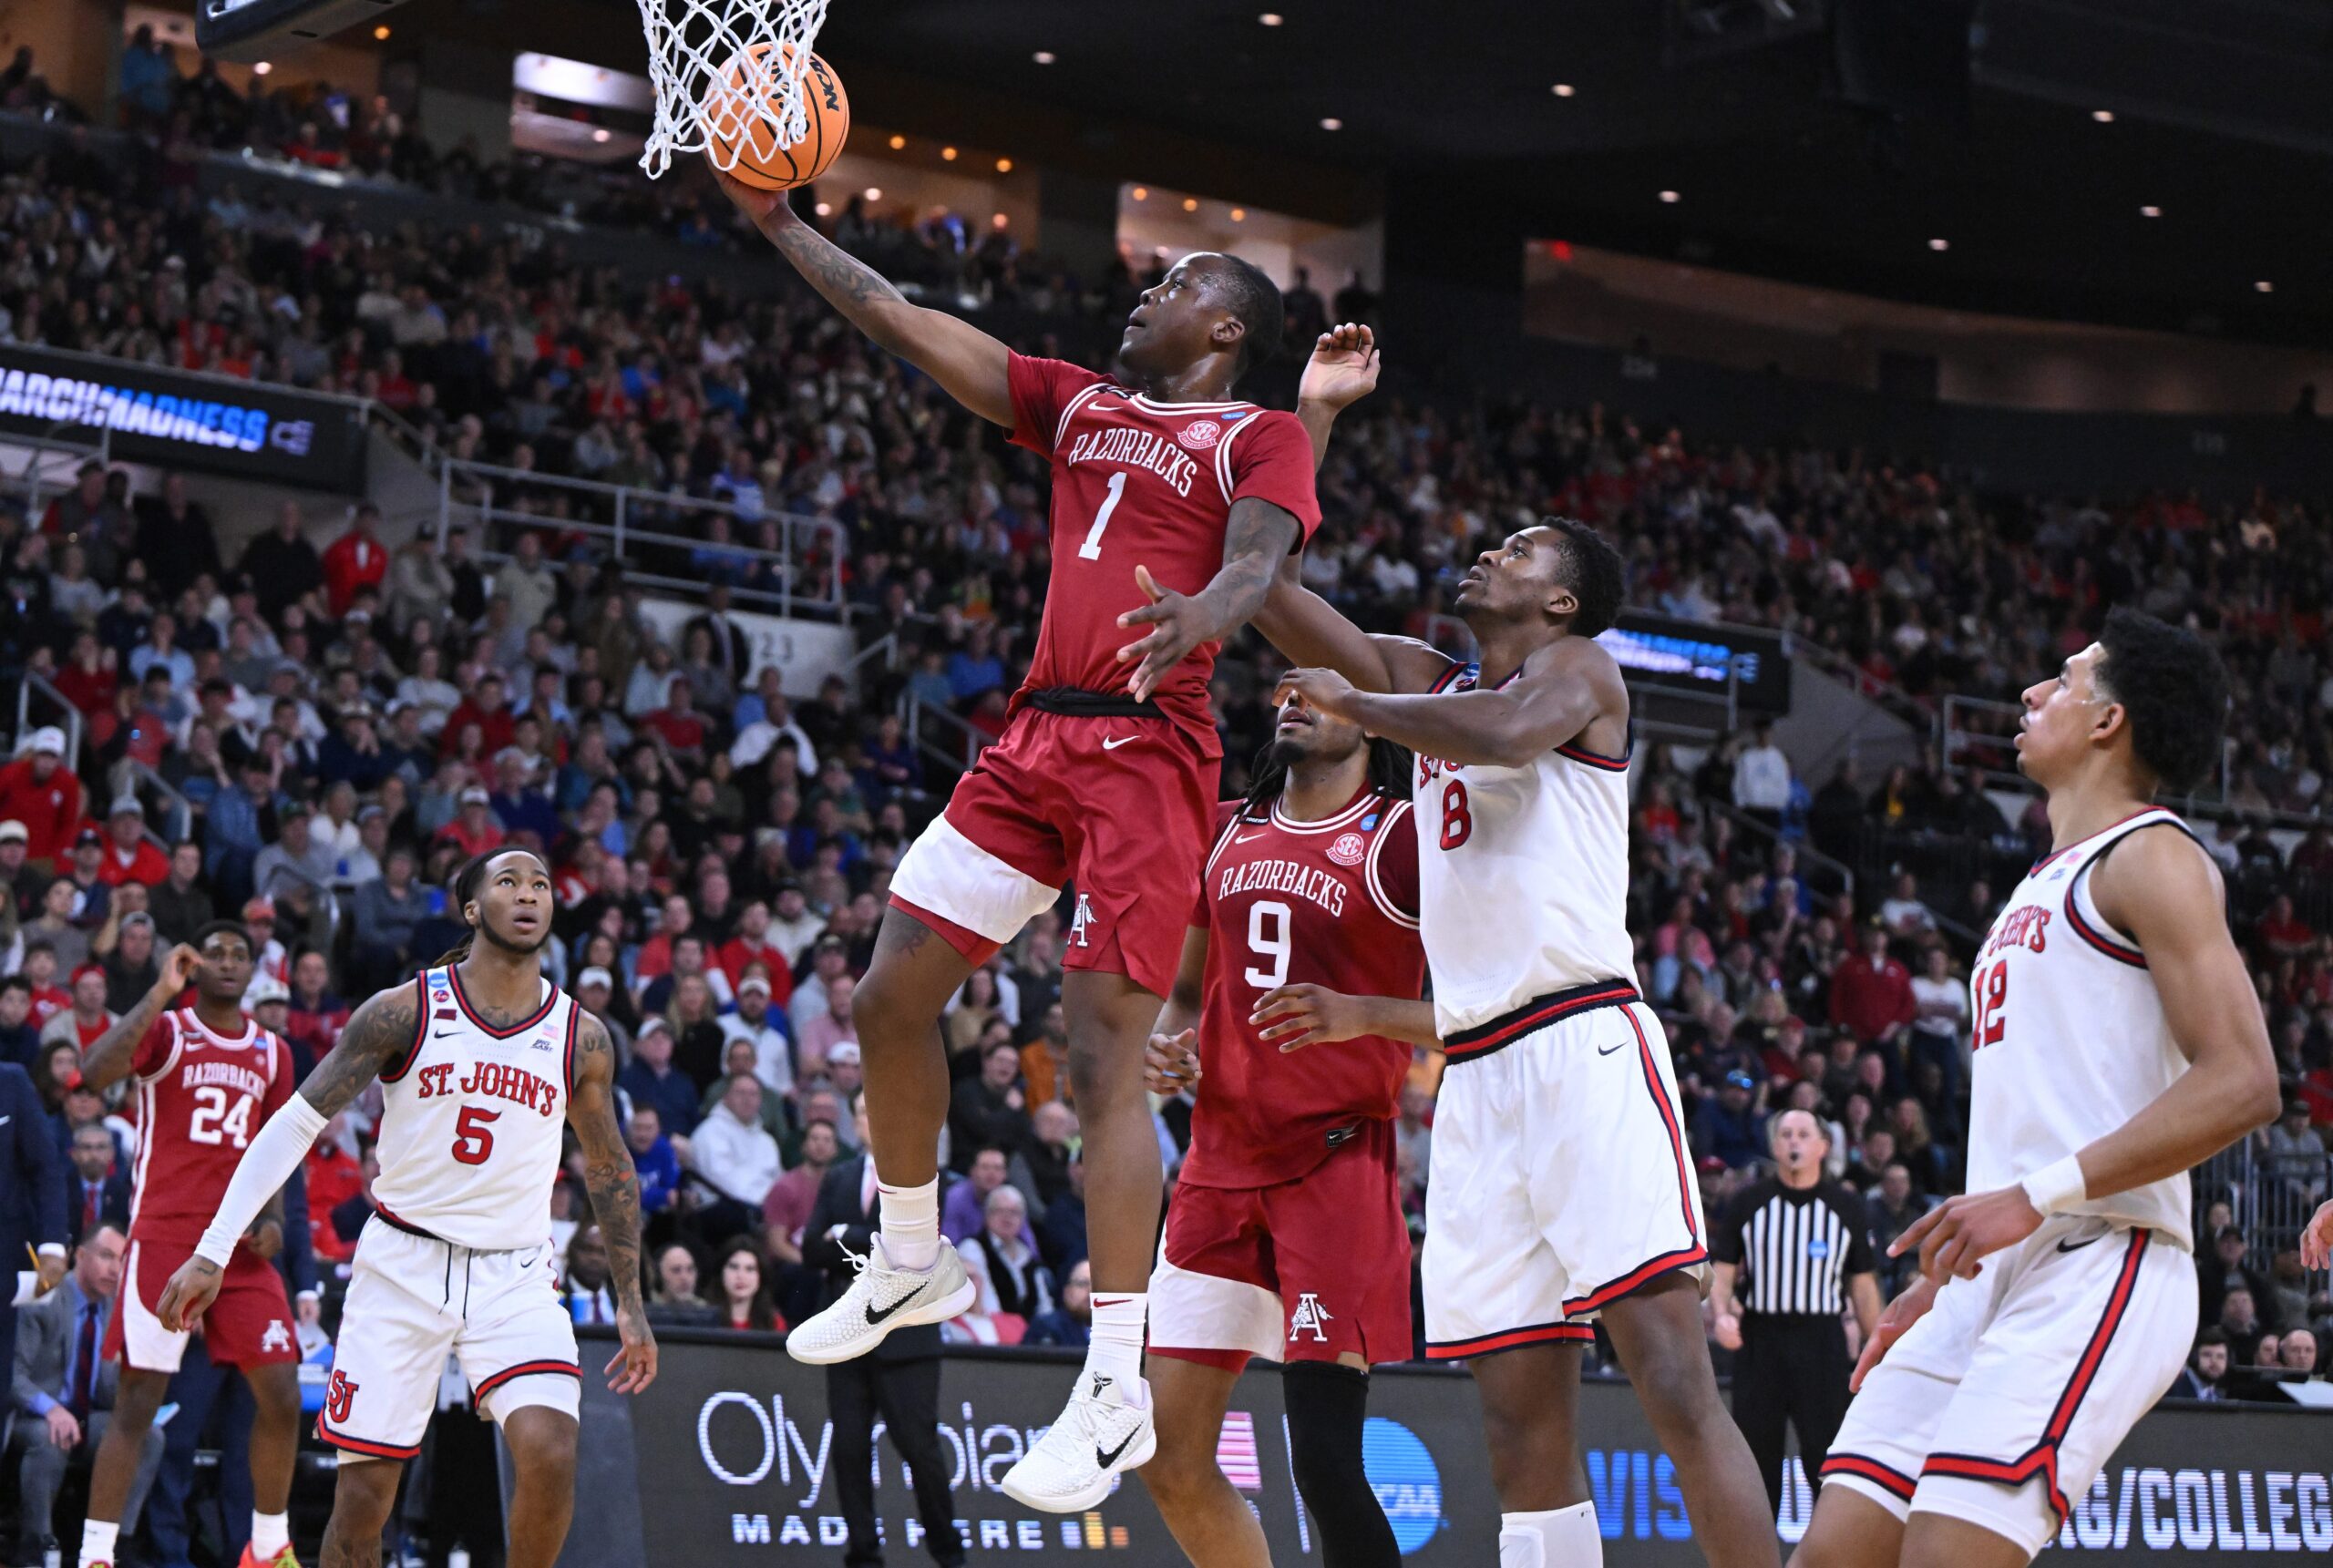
1249, 837
1109, 745
1106, 1459
874, 1317
1608, 1049
2078, 1246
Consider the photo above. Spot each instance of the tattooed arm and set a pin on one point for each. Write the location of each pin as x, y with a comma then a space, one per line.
961, 358
1256, 538
108, 1062
378, 1032
614, 1185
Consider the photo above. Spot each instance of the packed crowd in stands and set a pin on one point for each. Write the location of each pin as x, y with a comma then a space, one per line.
309, 725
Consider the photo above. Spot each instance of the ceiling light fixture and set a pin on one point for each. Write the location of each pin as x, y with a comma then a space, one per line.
897, 142
947, 153
1271, 18
2265, 286
261, 68
1191, 203
1940, 244
2103, 117
1670, 197
1043, 57
1332, 123
874, 193
599, 135
1005, 165
1564, 89
1142, 193
1238, 214
380, 33
2150, 211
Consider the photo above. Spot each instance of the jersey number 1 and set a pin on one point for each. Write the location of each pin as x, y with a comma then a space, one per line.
474, 1134
1092, 548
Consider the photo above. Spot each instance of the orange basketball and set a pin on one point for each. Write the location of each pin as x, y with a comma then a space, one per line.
759, 160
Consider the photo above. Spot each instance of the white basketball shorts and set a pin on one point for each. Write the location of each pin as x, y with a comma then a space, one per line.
1561, 1178
414, 1299
2013, 1392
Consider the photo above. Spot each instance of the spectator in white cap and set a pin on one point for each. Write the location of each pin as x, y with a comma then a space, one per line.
39, 791
845, 1070
473, 828
270, 1002
130, 857
20, 884
756, 1023
595, 988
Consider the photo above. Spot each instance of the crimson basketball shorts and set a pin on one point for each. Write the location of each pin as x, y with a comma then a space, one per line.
1304, 1271
2002, 1405
250, 1324
1122, 808
414, 1300
1562, 1180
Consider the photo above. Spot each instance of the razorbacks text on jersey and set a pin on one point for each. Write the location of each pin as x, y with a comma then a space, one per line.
2069, 1040
472, 1119
1140, 482
1523, 878
1330, 902
201, 1098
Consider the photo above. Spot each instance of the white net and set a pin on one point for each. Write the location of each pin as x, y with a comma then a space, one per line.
727, 74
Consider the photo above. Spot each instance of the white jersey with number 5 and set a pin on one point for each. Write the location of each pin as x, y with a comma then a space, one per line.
472, 1119
1523, 876
2069, 1040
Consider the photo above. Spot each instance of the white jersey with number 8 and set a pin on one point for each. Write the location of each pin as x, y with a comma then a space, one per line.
473, 1117
2069, 1040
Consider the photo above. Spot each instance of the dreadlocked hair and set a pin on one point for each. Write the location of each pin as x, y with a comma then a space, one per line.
1389, 775
462, 889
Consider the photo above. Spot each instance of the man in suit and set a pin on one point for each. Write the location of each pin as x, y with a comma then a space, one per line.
732, 650
96, 1192
32, 1199
899, 1379
63, 1390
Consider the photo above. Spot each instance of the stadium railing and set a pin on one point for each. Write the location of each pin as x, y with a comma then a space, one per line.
35, 688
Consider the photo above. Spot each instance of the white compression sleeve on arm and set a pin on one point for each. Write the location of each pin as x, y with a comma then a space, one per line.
267, 1165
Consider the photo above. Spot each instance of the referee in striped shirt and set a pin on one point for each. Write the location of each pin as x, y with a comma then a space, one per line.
1792, 1256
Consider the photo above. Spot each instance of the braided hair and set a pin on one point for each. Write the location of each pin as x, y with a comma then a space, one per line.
464, 888
1389, 775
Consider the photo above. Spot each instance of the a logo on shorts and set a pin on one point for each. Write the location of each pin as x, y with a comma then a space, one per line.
277, 1338
1348, 849
1200, 434
1079, 921
339, 1394
1309, 1316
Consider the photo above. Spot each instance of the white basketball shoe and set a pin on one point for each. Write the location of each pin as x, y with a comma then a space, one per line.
883, 1297
1100, 1434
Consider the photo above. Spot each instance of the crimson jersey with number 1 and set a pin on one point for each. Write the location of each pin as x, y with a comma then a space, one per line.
1330, 902
1137, 482
202, 1097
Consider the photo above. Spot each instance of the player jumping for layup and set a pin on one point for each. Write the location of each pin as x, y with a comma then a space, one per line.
2118, 1042
1171, 504
481, 1063
1561, 1185
1298, 997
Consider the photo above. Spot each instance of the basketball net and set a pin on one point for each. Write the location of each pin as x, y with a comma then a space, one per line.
735, 64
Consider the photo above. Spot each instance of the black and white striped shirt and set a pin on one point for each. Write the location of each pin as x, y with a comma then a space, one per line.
1795, 1247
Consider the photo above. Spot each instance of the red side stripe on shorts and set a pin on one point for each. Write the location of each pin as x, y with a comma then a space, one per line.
1670, 1119
1871, 1470
1535, 1014
358, 1445
975, 948
1484, 1344
1637, 1279
526, 1368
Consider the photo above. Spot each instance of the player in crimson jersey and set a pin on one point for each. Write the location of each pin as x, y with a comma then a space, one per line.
1285, 1237
207, 1079
1171, 504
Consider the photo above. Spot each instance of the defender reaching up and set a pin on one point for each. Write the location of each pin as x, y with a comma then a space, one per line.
1172, 504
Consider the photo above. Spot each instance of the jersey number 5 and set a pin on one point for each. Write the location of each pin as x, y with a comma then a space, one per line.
1092, 548
1458, 827
1991, 991
474, 1134
214, 1121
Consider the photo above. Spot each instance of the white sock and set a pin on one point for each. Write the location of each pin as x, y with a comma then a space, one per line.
97, 1542
1115, 1349
1556, 1538
910, 1223
271, 1533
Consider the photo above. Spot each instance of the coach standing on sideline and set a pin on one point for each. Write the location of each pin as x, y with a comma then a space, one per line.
1792, 1253
32, 1202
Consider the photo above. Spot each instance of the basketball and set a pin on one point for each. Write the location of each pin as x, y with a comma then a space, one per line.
744, 138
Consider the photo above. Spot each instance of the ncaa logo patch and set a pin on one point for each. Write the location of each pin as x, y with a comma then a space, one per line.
1348, 849
1200, 434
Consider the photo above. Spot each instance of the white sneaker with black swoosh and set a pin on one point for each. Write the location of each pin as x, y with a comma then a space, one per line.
1102, 1433
883, 1297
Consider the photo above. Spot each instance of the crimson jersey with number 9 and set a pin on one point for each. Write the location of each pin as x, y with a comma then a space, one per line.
201, 1097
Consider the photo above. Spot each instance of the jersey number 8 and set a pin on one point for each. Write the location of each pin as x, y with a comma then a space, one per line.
1457, 826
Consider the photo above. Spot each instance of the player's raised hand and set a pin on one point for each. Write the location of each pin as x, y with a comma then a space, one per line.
1307, 1015
764, 208
1342, 369
1902, 1313
637, 1358
2317, 1239
1325, 689
1951, 1237
189, 1294
1181, 625
177, 971
1170, 1063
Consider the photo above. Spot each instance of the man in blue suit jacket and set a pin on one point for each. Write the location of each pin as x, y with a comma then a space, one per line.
32, 1194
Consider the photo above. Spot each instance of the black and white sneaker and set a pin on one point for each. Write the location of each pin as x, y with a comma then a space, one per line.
1104, 1432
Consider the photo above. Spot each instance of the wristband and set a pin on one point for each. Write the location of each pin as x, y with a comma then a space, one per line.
2054, 1189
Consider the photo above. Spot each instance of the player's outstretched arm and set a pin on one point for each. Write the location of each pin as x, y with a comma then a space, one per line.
1256, 538
614, 1185
1342, 372
2166, 893
2317, 1239
107, 1062
965, 361
1564, 687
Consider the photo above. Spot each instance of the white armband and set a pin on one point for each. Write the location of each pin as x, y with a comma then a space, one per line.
267, 1165
2054, 1189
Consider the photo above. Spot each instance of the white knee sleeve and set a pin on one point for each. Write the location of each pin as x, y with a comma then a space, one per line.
1559, 1538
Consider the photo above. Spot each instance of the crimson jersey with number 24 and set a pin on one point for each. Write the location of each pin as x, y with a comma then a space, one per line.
201, 1098
1137, 482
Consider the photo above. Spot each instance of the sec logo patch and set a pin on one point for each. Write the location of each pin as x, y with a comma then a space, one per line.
1200, 434
1348, 849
